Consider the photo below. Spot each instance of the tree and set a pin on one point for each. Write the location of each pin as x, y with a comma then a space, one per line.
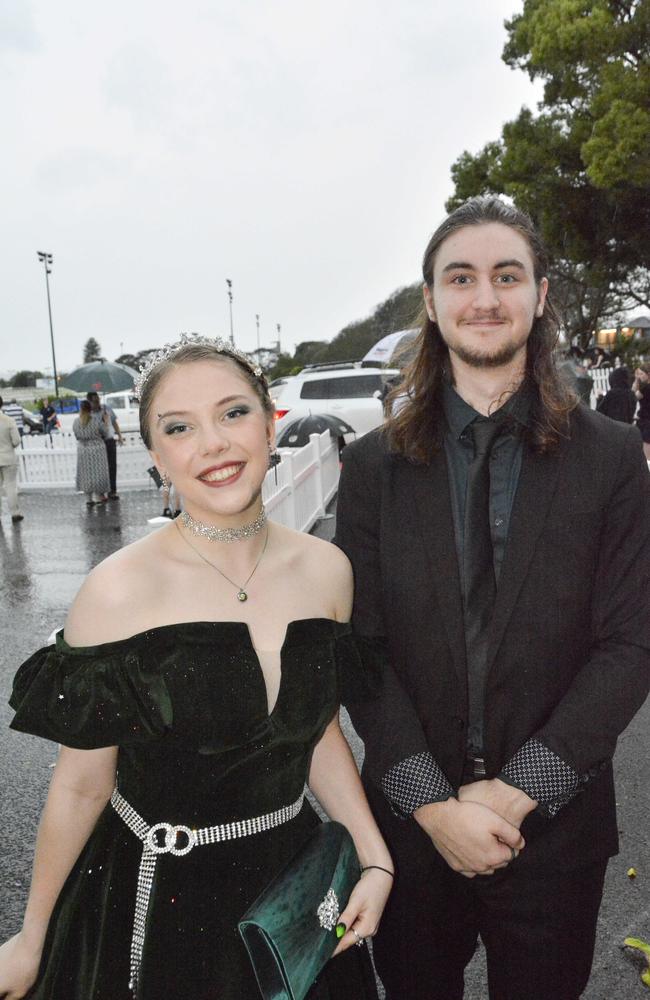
397, 312
24, 379
135, 360
581, 166
92, 351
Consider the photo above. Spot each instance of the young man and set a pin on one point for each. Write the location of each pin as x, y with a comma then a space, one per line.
9, 441
499, 536
106, 413
49, 416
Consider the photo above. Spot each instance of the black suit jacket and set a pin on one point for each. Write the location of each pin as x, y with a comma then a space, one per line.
569, 644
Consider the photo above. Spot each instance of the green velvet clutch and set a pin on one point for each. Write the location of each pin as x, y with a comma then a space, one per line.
289, 930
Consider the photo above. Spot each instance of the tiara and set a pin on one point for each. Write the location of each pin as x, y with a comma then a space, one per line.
186, 340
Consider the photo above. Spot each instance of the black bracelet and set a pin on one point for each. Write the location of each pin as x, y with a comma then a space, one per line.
379, 869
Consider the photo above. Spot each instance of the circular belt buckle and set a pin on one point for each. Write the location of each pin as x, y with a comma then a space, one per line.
171, 836
191, 840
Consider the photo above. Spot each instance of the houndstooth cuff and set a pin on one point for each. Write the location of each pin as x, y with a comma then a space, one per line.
414, 782
543, 776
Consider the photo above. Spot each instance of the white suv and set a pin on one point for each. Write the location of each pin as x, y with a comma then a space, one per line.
346, 391
124, 404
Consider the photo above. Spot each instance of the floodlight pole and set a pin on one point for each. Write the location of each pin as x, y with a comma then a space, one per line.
46, 259
232, 335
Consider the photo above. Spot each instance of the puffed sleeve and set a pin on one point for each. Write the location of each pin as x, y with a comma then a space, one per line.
87, 698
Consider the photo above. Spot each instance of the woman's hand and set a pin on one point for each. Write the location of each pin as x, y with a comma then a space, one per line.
19, 962
364, 908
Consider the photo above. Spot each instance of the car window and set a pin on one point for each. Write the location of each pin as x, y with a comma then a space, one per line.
316, 389
355, 387
117, 402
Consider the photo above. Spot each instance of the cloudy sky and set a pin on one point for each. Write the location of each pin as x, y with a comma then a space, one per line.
301, 149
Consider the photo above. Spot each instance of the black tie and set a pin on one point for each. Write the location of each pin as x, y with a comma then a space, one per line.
479, 581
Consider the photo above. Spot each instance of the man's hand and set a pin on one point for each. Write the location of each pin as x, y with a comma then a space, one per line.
510, 803
471, 837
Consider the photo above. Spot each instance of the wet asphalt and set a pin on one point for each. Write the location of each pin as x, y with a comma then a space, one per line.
43, 561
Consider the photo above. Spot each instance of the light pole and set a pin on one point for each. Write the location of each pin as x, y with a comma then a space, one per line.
257, 322
232, 335
277, 326
46, 260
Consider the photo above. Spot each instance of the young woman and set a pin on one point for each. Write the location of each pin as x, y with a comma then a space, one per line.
199, 675
92, 464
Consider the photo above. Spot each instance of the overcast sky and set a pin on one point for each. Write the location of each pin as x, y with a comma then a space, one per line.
301, 148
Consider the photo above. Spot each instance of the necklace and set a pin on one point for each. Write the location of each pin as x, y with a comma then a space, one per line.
241, 590
214, 534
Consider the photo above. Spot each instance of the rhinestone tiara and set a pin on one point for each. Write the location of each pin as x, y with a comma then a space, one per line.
187, 339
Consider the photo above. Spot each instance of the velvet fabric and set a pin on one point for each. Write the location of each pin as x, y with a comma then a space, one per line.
187, 706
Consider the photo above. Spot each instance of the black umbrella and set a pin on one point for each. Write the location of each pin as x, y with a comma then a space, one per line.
100, 376
296, 435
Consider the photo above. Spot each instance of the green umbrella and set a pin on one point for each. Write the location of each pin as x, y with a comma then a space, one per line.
101, 376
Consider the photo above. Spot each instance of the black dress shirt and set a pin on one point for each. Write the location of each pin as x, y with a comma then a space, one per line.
505, 466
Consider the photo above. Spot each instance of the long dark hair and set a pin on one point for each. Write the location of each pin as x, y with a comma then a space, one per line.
416, 426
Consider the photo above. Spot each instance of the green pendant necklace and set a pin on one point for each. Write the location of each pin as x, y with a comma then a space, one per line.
242, 594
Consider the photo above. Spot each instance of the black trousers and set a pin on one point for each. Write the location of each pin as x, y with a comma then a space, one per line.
538, 932
111, 454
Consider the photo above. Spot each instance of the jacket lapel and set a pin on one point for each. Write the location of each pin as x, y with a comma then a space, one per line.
429, 491
537, 484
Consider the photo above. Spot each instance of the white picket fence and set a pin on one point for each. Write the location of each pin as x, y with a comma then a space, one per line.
600, 387
46, 461
295, 493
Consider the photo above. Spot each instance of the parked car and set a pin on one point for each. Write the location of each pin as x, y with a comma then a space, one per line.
32, 422
347, 391
124, 404
126, 407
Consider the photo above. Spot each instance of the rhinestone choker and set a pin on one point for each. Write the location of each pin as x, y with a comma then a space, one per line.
214, 534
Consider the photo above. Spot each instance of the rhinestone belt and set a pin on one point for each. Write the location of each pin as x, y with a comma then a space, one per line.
163, 838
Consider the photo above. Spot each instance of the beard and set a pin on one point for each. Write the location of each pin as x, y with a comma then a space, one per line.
480, 359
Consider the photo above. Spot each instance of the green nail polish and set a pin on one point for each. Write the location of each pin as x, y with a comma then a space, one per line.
340, 930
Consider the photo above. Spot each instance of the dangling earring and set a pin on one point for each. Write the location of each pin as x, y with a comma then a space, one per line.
164, 481
274, 460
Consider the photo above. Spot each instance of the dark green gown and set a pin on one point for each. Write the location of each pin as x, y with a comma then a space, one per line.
187, 707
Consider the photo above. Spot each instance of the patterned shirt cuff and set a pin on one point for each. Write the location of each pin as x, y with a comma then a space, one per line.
543, 776
414, 782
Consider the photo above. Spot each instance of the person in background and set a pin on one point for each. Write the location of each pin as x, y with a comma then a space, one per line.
620, 402
92, 463
499, 535
49, 416
600, 359
573, 370
641, 389
102, 412
14, 410
9, 441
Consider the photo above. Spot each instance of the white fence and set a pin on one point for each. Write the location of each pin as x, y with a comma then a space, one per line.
50, 460
295, 493
600, 387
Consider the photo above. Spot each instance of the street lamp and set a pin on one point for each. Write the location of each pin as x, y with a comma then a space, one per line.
232, 335
277, 326
257, 322
46, 260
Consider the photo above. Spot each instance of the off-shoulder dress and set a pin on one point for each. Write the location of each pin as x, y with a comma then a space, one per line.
187, 706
